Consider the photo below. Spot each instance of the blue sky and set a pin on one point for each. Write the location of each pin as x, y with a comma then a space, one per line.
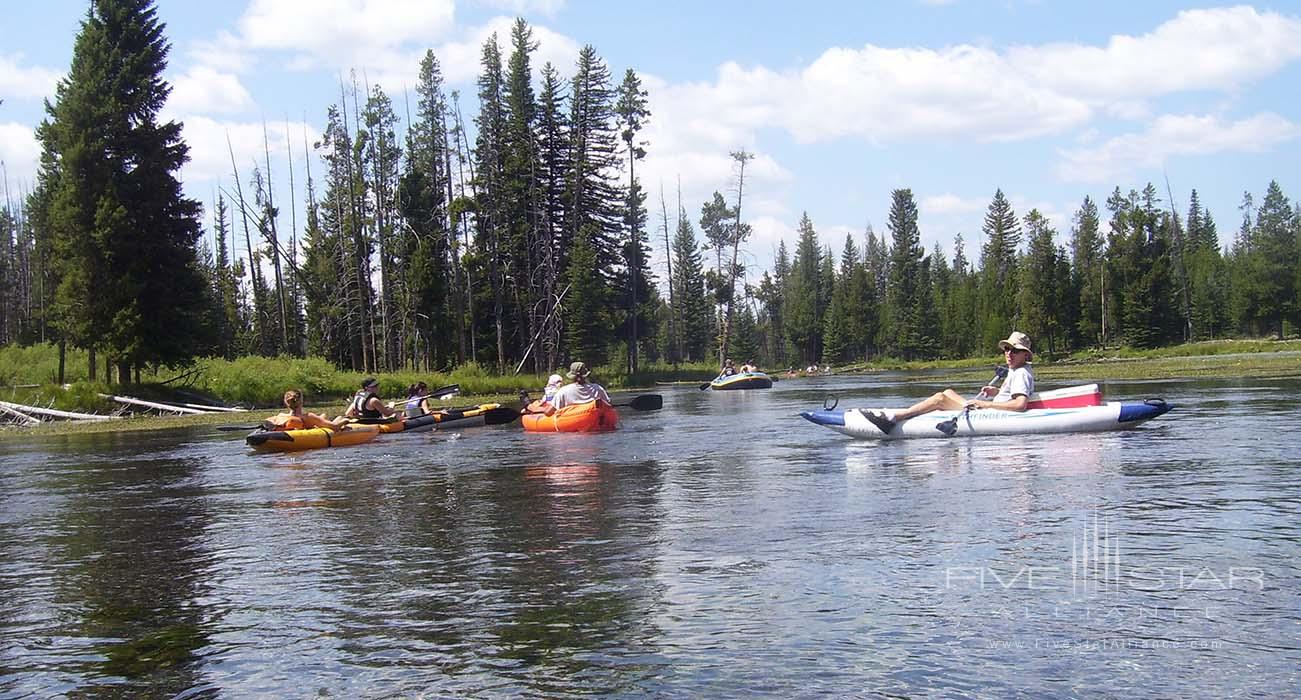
841, 102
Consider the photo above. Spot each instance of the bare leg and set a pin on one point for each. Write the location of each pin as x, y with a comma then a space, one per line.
947, 400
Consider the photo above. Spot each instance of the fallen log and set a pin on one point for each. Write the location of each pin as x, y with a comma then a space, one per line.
19, 415
37, 410
211, 409
153, 404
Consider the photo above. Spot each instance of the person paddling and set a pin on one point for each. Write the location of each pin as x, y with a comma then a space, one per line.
1013, 396
581, 390
366, 406
417, 400
295, 418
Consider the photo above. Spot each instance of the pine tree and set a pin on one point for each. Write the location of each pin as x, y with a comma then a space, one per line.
585, 309
695, 320
803, 322
843, 324
125, 236
1274, 246
998, 264
904, 291
426, 237
1086, 268
632, 112
551, 233
1039, 289
491, 190
522, 224
1207, 276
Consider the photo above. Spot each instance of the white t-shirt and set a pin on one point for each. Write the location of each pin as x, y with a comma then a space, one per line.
576, 393
1019, 381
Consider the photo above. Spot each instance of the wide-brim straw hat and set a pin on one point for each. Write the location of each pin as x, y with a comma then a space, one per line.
1017, 340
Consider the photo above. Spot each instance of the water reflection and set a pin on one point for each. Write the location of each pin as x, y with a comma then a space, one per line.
720, 547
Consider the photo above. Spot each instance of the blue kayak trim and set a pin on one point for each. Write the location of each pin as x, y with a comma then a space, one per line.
1151, 408
825, 417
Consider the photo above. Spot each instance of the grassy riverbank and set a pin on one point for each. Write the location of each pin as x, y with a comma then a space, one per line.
264, 379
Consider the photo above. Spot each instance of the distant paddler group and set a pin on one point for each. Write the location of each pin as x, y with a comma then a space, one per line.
579, 406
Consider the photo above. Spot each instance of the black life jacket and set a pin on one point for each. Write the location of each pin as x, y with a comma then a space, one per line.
360, 404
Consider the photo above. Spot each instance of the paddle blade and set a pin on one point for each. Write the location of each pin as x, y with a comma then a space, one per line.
500, 416
449, 390
646, 402
704, 386
242, 428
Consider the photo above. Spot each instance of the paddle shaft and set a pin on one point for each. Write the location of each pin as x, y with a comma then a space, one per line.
950, 426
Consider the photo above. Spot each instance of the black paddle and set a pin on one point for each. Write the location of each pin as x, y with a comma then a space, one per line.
950, 426
645, 402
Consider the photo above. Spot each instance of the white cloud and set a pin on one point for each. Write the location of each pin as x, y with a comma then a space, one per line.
949, 203
203, 89
965, 92
225, 52
521, 8
34, 82
19, 151
1219, 48
1174, 135
210, 152
325, 27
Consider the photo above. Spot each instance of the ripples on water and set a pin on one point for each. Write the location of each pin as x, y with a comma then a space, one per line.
722, 547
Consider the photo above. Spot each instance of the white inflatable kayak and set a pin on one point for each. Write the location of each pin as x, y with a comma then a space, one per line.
1073, 410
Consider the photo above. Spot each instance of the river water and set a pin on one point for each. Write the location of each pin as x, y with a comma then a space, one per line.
721, 547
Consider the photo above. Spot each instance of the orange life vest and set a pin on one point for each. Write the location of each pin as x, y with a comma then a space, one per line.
286, 421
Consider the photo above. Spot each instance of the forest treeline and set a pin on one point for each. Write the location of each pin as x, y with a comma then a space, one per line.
526, 241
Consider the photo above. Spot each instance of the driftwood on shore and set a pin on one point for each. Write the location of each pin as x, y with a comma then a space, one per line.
31, 411
154, 405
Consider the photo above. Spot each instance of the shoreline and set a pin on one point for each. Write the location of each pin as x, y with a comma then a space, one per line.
1249, 365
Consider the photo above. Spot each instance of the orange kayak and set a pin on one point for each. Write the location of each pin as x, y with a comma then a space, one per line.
579, 418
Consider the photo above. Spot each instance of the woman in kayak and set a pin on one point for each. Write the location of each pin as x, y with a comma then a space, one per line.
418, 400
1013, 396
295, 418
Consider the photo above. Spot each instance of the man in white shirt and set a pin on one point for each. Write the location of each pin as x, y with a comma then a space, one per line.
580, 390
1013, 396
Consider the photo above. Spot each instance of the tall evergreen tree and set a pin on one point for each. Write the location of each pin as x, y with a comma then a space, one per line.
904, 292
1086, 268
125, 235
1274, 249
1039, 289
694, 317
998, 264
491, 190
632, 112
1207, 276
586, 306
803, 322
551, 234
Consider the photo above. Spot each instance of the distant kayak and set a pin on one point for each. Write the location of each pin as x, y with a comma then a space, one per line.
742, 380
310, 438
579, 418
1073, 410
